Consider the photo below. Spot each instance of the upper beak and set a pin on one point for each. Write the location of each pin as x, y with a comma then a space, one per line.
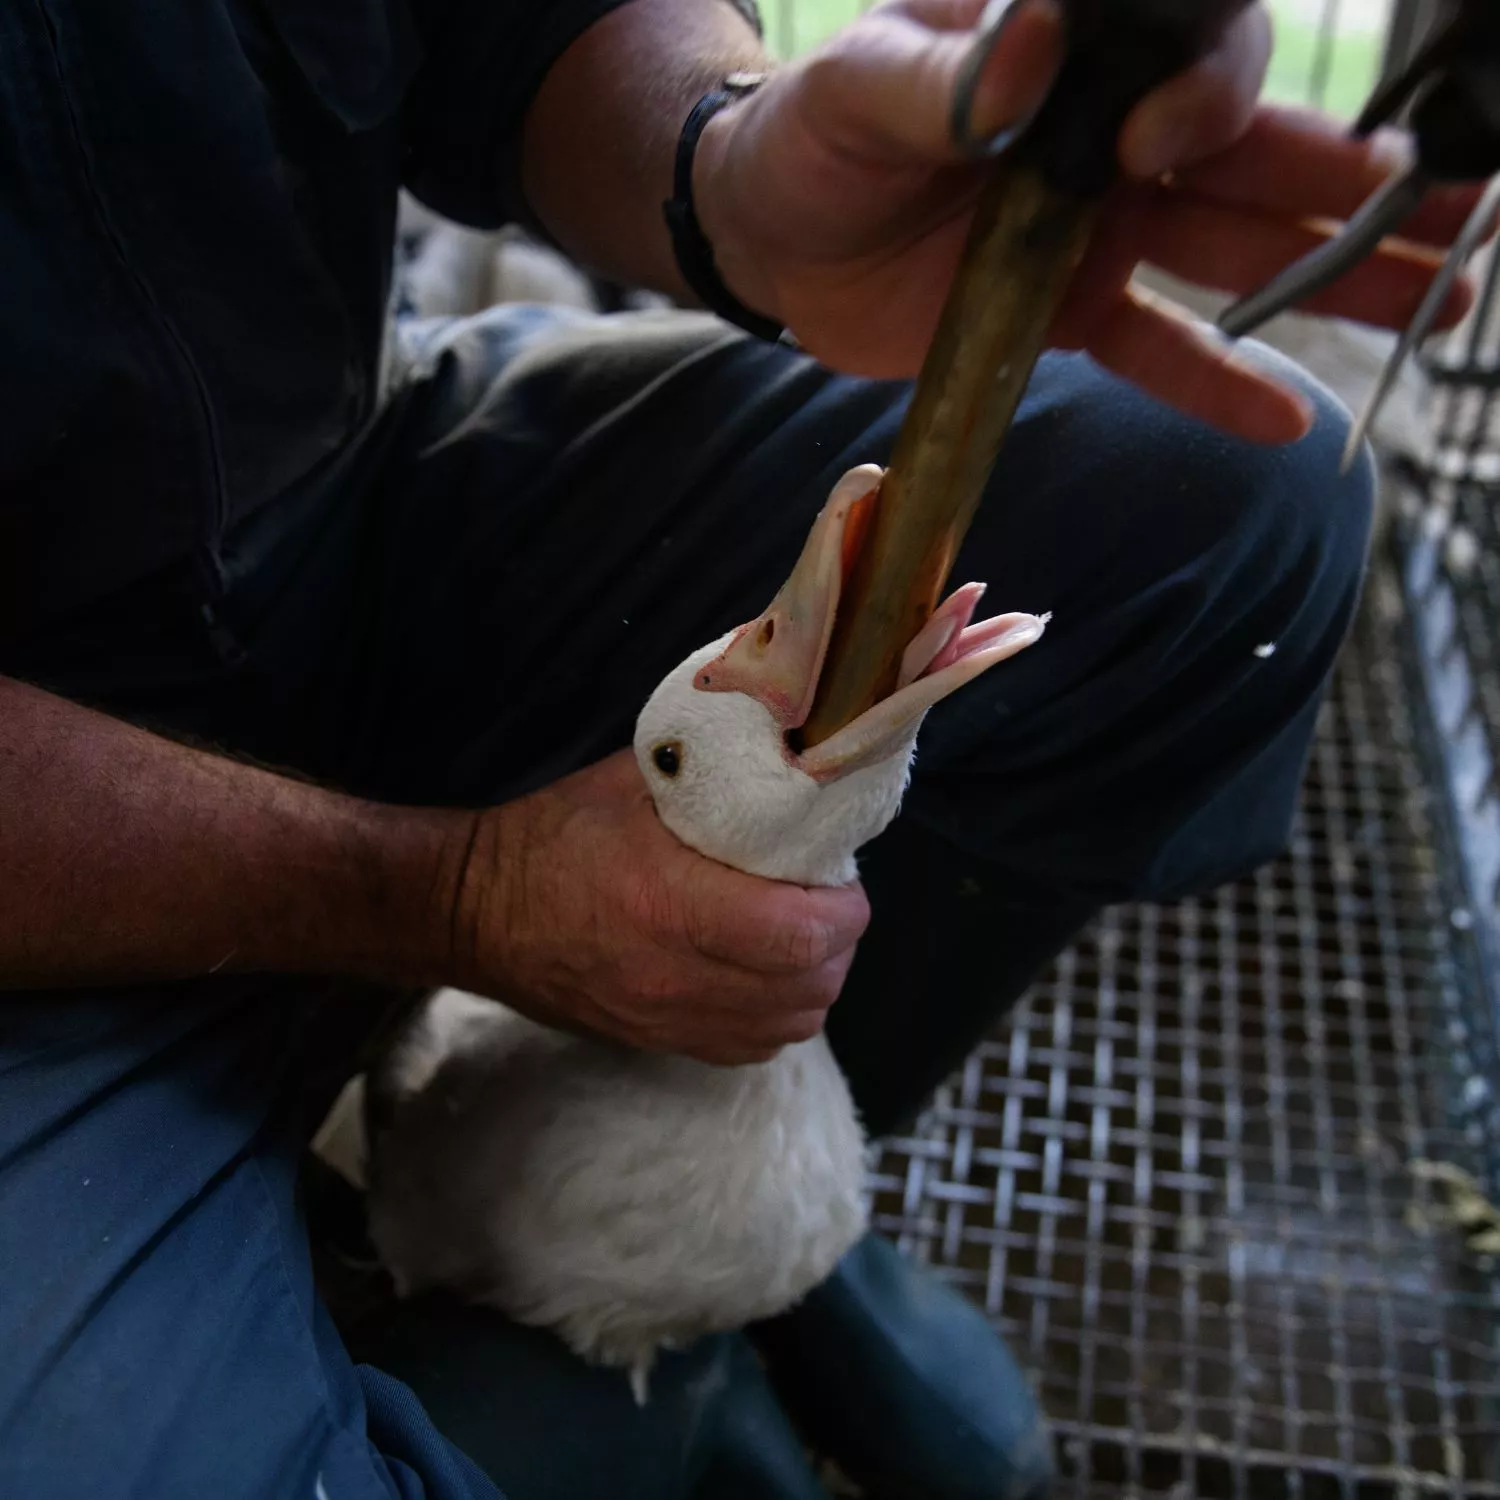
778, 658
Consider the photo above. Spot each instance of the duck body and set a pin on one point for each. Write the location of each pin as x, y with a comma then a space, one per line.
630, 1200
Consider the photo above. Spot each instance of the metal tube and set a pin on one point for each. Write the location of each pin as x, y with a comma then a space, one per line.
1026, 242
1032, 225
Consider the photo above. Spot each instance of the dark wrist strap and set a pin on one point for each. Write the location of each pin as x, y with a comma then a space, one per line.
695, 256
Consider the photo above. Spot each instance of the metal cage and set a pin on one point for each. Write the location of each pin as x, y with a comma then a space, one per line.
1225, 1178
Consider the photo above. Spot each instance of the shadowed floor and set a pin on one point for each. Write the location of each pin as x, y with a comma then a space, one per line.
1181, 1178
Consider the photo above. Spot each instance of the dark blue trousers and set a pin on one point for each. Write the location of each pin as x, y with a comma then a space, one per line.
551, 512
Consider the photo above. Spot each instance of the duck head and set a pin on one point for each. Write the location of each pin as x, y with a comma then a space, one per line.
717, 741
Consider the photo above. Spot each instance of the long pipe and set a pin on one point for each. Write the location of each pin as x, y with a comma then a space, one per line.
1025, 244
1031, 228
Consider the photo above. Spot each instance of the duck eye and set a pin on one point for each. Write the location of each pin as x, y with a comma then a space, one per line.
667, 758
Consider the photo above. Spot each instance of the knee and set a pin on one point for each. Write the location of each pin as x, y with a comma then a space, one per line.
1263, 516
1295, 530
1155, 517
1305, 489
1201, 588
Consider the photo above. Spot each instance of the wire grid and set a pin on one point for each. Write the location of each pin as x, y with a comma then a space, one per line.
1450, 569
1179, 1178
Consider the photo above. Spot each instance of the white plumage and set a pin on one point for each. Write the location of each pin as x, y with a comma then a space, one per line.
629, 1200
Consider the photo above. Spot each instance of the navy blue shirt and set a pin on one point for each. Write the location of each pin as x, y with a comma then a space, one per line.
197, 209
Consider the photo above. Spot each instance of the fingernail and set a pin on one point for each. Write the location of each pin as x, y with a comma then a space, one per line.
1392, 151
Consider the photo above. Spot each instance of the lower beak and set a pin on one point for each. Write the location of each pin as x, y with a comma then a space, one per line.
947, 653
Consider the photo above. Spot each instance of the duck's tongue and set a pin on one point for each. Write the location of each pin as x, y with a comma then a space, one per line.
778, 658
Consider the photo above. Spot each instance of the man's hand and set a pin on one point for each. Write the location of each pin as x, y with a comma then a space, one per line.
582, 911
128, 858
836, 204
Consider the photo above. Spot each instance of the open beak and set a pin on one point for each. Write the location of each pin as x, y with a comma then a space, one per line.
1032, 225
948, 652
779, 657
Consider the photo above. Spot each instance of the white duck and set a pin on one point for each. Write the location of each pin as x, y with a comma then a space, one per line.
633, 1201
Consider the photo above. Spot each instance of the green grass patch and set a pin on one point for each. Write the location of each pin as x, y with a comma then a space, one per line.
1337, 74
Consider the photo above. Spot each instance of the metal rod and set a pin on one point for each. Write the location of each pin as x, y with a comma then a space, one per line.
1470, 237
1025, 244
1381, 214
1033, 222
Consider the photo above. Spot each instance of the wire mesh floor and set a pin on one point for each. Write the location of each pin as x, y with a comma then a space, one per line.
1181, 1178
1449, 514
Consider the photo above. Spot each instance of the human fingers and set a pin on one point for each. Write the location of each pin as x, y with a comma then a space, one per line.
1185, 363
883, 89
1299, 164
766, 927
723, 1014
1235, 250
1205, 109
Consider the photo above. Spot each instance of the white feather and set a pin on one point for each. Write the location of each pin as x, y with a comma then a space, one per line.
626, 1199
633, 1201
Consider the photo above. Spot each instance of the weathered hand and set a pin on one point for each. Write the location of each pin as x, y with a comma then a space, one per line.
837, 205
580, 910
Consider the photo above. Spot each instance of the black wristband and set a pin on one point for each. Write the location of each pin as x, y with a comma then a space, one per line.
695, 256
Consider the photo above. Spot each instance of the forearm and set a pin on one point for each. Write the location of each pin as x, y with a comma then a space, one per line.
602, 133
127, 857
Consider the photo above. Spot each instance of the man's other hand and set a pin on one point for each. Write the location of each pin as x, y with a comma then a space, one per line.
837, 205
579, 909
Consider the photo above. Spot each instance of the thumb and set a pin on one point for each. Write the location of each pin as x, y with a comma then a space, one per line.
885, 87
